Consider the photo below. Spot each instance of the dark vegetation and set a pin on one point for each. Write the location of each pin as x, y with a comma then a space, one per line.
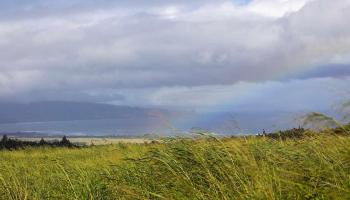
300, 133
11, 144
295, 133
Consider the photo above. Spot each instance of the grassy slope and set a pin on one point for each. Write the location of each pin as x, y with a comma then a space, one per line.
316, 167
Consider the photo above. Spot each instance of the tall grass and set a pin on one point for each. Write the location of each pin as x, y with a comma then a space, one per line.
250, 168
314, 167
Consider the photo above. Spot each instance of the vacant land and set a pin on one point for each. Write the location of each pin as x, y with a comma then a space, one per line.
309, 167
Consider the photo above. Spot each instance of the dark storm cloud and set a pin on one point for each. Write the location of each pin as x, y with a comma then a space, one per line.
62, 95
336, 71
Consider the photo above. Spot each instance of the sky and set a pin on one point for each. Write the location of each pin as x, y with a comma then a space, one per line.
204, 55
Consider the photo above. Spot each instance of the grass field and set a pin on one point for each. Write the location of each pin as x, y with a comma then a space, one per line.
314, 167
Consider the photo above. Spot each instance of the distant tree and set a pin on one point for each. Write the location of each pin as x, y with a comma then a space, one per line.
4, 139
10, 143
65, 141
42, 142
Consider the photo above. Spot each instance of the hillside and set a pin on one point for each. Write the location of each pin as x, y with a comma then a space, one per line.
66, 111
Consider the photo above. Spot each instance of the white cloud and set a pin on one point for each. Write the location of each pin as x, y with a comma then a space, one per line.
174, 46
276, 8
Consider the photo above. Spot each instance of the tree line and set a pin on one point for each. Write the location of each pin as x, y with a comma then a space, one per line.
12, 143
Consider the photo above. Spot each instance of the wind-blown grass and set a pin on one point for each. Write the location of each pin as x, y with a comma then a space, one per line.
316, 166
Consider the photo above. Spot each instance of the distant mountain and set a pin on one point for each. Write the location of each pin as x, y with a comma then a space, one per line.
105, 118
66, 111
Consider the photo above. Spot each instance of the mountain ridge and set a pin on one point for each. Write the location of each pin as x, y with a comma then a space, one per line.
45, 111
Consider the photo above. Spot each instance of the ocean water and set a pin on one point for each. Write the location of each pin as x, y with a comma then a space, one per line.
117, 127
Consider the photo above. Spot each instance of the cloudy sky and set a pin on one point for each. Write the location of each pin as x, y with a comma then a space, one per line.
199, 54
